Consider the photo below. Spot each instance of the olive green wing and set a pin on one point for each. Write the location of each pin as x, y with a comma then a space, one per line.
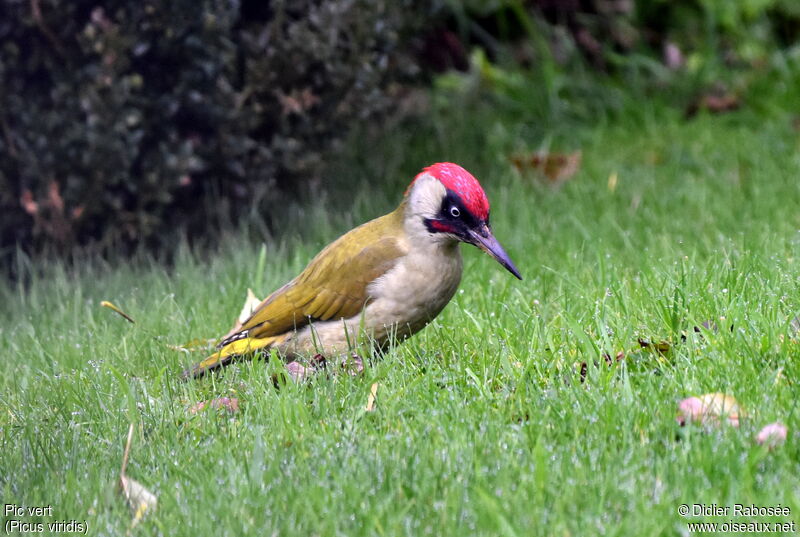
334, 284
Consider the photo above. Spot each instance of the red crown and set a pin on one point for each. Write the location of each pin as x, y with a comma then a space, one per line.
460, 181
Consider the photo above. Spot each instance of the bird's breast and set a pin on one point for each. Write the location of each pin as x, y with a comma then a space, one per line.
415, 290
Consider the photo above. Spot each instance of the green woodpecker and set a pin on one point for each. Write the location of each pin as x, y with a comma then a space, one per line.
385, 279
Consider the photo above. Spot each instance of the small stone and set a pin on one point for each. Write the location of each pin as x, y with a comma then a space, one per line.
772, 435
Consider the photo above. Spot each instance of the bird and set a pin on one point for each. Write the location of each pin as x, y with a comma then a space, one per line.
382, 281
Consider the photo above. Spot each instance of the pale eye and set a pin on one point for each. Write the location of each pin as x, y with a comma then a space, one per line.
454, 212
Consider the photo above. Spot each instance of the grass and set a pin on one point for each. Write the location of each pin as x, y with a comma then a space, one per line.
482, 425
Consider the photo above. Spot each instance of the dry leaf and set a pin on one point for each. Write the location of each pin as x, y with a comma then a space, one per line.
720, 103
555, 167
54, 197
29, 205
373, 392
607, 359
662, 347
620, 356
772, 435
716, 103
112, 307
297, 102
140, 500
49, 213
231, 404
710, 409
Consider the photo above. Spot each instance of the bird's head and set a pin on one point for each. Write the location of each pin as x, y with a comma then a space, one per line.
448, 204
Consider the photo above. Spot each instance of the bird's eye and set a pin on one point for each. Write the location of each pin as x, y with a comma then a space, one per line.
454, 212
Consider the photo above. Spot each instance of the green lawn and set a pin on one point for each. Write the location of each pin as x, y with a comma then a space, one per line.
482, 425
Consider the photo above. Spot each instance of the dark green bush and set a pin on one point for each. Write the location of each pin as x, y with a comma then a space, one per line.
121, 121
608, 31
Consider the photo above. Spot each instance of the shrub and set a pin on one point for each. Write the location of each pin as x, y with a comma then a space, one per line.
121, 121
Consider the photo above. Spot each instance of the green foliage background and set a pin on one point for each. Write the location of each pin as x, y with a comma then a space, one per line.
122, 123
122, 120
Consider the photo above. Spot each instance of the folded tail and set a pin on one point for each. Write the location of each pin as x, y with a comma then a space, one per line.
225, 355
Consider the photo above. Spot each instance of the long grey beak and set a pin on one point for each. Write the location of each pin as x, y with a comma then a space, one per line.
483, 239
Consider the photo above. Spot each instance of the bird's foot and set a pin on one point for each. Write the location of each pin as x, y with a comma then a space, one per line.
299, 372
352, 364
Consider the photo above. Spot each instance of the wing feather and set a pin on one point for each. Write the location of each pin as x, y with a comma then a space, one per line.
335, 283
335, 306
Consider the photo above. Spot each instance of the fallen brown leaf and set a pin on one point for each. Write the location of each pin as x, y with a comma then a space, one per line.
716, 103
112, 307
140, 500
373, 393
607, 359
662, 347
49, 213
54, 197
555, 167
620, 356
29, 205
297, 101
